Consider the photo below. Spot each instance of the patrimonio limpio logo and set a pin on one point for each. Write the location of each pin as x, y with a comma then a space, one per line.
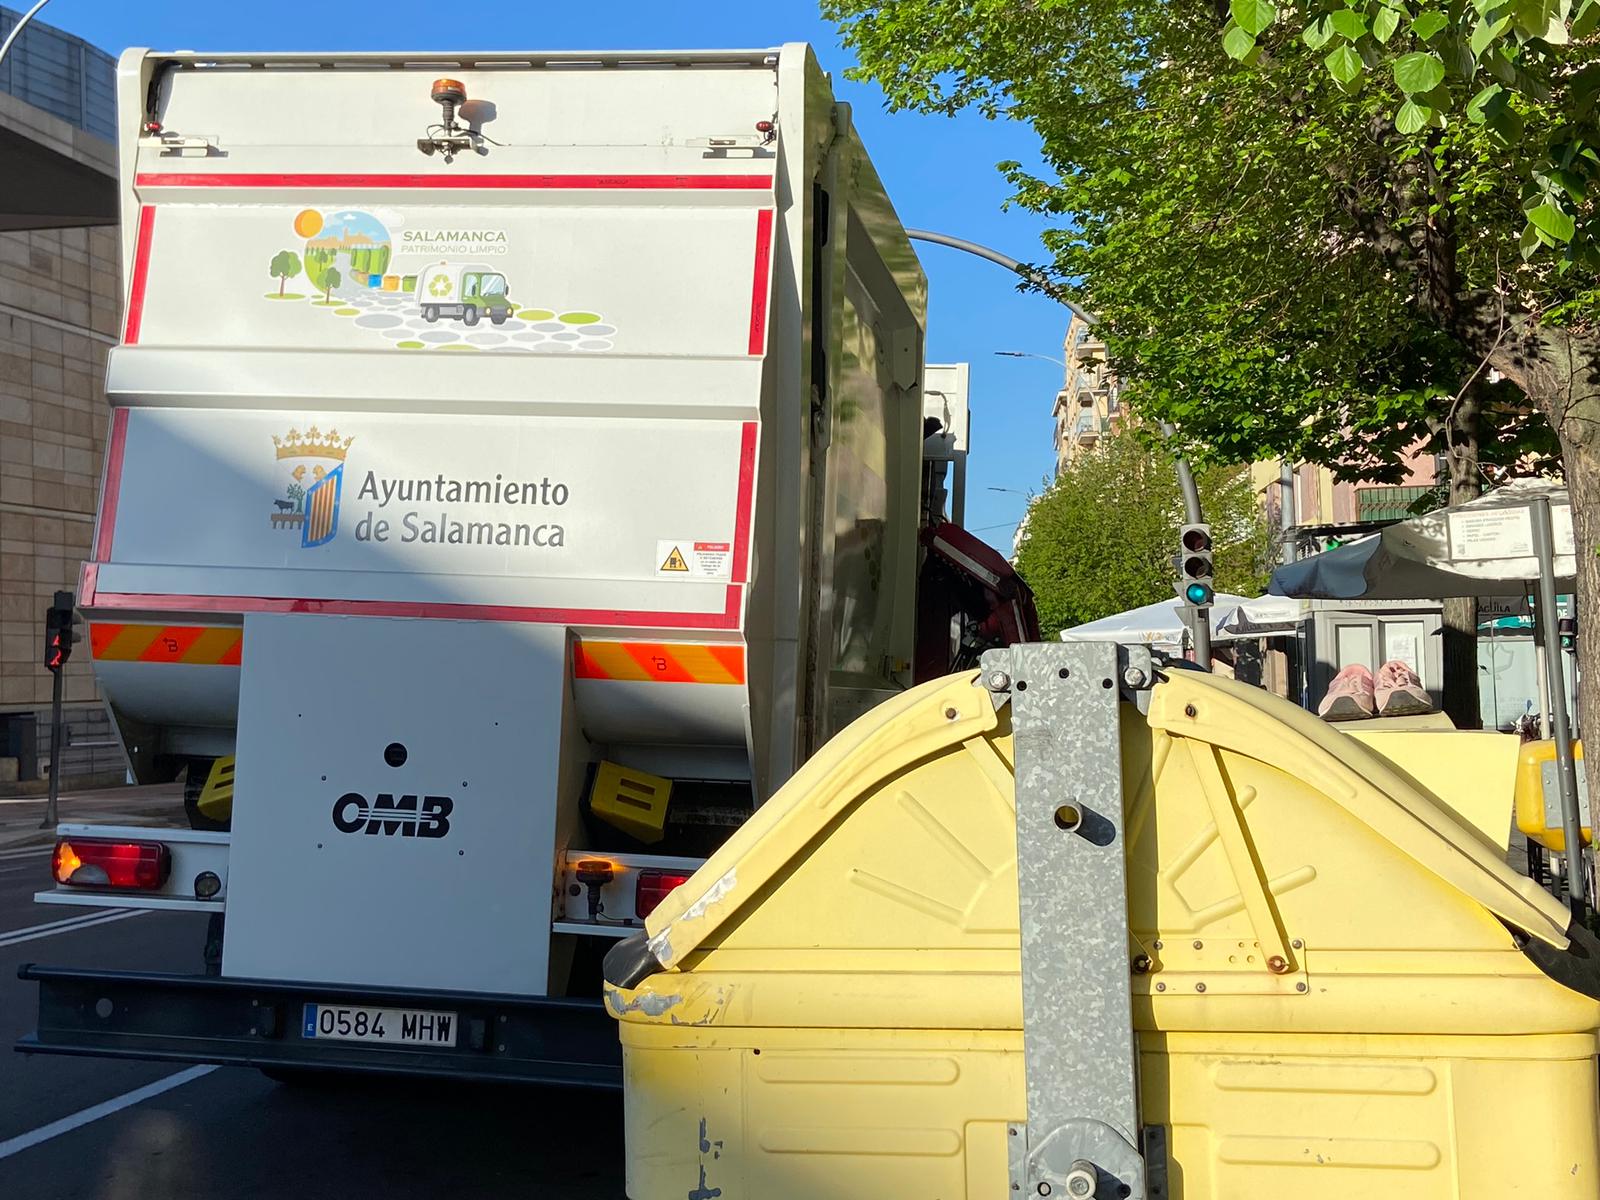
313, 466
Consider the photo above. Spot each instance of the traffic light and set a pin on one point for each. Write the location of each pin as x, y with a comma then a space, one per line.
59, 633
1195, 572
1567, 631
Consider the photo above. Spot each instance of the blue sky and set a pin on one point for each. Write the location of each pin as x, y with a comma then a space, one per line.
940, 172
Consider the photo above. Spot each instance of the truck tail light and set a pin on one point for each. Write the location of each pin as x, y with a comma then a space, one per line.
81, 862
653, 887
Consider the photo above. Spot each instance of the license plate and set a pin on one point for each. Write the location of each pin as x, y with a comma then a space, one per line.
400, 1026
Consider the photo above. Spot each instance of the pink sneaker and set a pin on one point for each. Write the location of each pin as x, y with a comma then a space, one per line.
1350, 695
1398, 692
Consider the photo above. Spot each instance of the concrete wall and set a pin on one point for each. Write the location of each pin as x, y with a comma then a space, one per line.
53, 422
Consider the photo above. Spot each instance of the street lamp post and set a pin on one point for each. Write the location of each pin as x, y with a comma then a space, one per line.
5, 47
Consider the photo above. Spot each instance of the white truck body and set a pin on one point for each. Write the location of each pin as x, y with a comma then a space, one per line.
665, 514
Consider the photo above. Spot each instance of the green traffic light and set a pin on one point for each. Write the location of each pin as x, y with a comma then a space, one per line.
1197, 593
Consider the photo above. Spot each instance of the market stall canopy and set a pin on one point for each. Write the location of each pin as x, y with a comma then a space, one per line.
1155, 624
1481, 548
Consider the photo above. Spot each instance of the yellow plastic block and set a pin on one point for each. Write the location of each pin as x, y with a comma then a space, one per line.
216, 797
632, 801
1530, 796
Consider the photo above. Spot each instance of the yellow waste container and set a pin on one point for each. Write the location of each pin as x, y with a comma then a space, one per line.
1538, 806
1339, 987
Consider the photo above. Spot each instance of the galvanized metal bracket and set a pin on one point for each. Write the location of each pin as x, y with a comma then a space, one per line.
1082, 1135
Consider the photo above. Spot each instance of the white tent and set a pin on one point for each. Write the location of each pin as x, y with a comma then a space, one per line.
1155, 624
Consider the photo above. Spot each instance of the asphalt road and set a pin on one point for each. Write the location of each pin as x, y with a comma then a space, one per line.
93, 1129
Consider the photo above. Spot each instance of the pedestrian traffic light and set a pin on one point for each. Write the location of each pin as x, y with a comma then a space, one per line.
59, 633
1567, 631
1195, 584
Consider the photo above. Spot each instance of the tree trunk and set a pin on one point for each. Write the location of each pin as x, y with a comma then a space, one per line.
1559, 370
1459, 626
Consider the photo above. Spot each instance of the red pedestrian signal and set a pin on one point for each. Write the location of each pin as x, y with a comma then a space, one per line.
59, 631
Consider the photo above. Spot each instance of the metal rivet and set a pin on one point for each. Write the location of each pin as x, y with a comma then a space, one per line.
1161, 987
1044, 1188
1277, 964
1198, 944
1300, 987
1298, 944
1021, 685
950, 714
1199, 987
1141, 964
1156, 945
1189, 710
1063, 673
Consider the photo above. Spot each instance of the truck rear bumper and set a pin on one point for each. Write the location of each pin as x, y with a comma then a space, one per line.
257, 1023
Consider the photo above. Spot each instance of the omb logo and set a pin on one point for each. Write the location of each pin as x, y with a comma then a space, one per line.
388, 814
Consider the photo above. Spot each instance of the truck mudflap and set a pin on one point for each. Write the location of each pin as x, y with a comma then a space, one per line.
261, 1023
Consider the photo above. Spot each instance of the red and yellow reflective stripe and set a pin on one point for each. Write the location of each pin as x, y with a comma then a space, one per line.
658, 662
202, 645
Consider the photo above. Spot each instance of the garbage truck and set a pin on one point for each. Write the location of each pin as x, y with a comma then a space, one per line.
471, 640
1082, 924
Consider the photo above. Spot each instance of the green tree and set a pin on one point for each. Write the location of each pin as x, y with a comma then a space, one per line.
1335, 231
285, 266
331, 278
1102, 537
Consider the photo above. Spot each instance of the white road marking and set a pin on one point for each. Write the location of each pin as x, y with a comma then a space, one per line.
78, 1120
28, 800
16, 937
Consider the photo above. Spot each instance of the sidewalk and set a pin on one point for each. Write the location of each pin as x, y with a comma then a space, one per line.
158, 805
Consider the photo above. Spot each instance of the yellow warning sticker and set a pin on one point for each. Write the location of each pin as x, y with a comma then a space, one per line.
693, 558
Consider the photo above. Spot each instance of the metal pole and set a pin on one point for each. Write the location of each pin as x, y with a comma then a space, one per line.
1566, 773
1191, 496
5, 47
1043, 282
1286, 511
1541, 674
49, 821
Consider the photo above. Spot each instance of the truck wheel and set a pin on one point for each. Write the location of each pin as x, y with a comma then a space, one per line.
499, 318
470, 314
430, 313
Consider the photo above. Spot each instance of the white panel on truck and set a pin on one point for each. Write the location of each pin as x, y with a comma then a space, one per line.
434, 873
576, 516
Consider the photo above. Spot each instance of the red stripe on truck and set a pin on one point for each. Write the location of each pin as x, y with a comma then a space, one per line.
762, 285
111, 488
141, 270
728, 618
154, 179
745, 503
